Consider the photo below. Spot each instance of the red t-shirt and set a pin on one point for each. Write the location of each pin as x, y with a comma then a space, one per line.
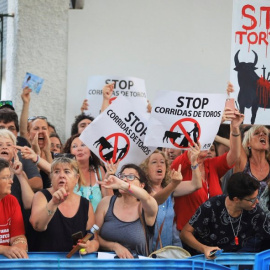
11, 220
186, 206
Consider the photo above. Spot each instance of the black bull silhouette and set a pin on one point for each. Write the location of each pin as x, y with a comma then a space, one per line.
254, 91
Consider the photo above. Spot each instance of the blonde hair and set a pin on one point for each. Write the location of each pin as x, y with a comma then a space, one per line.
72, 163
5, 133
249, 134
144, 167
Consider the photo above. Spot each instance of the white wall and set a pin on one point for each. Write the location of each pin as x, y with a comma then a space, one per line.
37, 40
179, 45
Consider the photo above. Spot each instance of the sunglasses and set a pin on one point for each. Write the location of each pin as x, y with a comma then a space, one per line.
252, 200
129, 177
67, 155
6, 102
32, 118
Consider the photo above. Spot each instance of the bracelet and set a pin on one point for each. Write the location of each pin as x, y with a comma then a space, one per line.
38, 159
50, 212
235, 135
129, 190
194, 167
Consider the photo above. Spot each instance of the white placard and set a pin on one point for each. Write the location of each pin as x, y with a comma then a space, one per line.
178, 118
129, 87
118, 134
250, 59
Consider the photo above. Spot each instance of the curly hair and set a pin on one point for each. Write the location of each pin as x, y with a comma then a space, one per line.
78, 119
144, 167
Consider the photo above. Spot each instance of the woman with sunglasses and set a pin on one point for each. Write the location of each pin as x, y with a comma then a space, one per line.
58, 213
91, 170
127, 219
165, 185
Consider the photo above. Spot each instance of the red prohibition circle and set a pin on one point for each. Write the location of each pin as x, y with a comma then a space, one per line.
114, 154
179, 124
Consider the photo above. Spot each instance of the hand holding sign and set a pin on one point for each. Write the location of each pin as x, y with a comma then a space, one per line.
194, 152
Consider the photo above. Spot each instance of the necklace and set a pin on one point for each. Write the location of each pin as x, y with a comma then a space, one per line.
236, 240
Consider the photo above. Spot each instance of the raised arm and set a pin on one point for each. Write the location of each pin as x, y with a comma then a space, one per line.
176, 179
187, 187
43, 211
28, 153
84, 106
149, 204
25, 112
235, 139
107, 92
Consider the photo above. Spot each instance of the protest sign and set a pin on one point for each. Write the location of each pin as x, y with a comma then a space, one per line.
118, 134
179, 118
129, 87
250, 65
33, 82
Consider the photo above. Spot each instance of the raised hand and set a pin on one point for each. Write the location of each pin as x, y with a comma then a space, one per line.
84, 106
176, 176
107, 91
26, 95
112, 182
60, 195
35, 145
194, 152
230, 88
16, 166
27, 152
111, 168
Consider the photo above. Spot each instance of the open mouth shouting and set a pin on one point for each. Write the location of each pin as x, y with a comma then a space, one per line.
263, 141
5, 154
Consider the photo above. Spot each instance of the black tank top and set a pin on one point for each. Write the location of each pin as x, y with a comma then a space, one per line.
57, 237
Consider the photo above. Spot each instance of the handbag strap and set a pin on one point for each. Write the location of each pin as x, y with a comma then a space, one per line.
144, 228
159, 235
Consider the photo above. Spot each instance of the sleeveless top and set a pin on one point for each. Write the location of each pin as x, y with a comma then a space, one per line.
91, 193
263, 183
128, 234
57, 236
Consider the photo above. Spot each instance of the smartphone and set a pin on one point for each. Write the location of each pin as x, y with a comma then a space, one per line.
215, 252
76, 236
230, 103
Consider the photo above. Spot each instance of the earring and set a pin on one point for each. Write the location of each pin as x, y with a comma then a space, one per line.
249, 148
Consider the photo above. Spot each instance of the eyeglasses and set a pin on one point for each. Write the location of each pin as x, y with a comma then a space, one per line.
129, 177
32, 118
58, 146
6, 102
6, 178
252, 200
67, 155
